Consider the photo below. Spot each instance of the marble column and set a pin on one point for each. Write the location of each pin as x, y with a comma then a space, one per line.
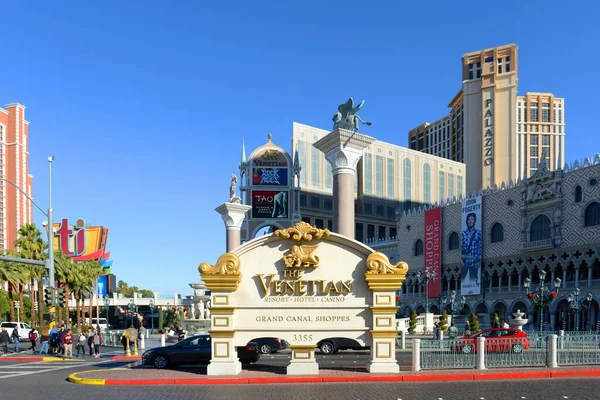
233, 215
343, 149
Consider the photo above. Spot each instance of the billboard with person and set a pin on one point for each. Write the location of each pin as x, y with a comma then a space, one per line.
269, 204
471, 241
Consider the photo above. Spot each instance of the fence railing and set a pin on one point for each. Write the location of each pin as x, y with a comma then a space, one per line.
535, 350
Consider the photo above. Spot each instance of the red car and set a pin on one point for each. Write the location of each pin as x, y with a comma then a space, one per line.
496, 339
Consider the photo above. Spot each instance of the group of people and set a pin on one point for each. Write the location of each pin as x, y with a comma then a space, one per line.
14, 337
58, 341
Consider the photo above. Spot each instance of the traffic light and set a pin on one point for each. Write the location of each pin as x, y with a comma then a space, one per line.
48, 296
62, 297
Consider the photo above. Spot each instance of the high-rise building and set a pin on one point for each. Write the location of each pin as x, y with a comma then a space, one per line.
15, 208
495, 132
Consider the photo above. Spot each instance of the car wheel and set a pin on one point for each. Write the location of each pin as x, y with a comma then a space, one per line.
467, 349
517, 348
160, 362
265, 349
327, 348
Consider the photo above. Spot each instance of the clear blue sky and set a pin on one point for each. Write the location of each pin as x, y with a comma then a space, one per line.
144, 104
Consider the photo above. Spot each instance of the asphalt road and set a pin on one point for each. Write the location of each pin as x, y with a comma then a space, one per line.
37, 380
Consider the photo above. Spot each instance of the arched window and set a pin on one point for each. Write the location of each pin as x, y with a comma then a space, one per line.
592, 214
453, 241
540, 229
419, 248
426, 183
497, 233
407, 180
578, 194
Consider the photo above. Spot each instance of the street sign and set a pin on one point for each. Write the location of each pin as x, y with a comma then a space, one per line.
17, 304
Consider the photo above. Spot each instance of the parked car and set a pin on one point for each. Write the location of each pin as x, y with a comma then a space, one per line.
22, 329
496, 339
268, 345
193, 350
335, 344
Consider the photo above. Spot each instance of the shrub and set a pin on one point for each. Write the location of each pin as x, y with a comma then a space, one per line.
444, 321
412, 322
474, 323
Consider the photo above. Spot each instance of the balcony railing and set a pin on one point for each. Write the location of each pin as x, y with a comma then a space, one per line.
538, 244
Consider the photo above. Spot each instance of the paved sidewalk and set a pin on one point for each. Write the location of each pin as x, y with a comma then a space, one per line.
136, 374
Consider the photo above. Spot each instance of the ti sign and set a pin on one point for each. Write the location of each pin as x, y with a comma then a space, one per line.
81, 242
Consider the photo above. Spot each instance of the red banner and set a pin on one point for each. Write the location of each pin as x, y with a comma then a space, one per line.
432, 252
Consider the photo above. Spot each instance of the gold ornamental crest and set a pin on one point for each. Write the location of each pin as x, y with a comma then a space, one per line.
302, 231
301, 257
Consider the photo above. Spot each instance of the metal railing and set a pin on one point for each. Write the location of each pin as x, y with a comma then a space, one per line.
578, 348
550, 349
444, 354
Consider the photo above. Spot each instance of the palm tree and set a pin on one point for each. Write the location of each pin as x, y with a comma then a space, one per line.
63, 273
31, 245
10, 273
92, 271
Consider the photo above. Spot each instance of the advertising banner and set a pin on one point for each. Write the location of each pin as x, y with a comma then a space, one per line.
270, 176
269, 204
471, 246
432, 251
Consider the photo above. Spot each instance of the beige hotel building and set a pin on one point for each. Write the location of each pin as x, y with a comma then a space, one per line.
498, 134
388, 178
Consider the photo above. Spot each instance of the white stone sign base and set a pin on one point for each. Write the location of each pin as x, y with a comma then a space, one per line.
383, 356
224, 358
303, 361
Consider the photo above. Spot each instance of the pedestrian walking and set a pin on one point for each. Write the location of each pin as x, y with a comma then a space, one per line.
506, 325
67, 342
81, 341
90, 340
4, 340
44, 339
15, 338
60, 337
97, 343
436, 329
53, 340
467, 328
32, 338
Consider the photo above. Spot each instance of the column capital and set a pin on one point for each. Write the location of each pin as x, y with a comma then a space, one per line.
343, 149
233, 214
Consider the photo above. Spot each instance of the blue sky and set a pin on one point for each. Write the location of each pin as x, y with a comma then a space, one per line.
144, 104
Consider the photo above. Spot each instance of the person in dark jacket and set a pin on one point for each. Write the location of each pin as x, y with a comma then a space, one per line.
4, 340
33, 335
15, 338
60, 336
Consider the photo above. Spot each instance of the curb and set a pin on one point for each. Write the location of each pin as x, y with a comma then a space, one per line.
334, 379
45, 359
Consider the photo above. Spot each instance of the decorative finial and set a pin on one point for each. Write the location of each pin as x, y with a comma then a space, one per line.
270, 136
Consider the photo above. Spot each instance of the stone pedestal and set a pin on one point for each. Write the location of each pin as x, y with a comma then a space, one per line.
222, 279
343, 149
303, 360
233, 215
384, 279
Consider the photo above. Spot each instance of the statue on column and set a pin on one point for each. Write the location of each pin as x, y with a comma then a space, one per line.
232, 197
346, 117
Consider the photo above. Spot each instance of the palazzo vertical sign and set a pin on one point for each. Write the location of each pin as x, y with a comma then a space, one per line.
433, 251
488, 127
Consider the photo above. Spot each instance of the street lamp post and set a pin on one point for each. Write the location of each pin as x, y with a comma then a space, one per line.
575, 305
151, 304
48, 214
132, 309
424, 278
107, 306
455, 306
542, 296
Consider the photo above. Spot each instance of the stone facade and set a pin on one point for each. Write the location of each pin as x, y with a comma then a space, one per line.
544, 227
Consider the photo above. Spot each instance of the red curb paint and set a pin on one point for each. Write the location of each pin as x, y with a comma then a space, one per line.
391, 378
126, 358
285, 380
22, 359
139, 382
520, 375
212, 381
432, 378
564, 374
